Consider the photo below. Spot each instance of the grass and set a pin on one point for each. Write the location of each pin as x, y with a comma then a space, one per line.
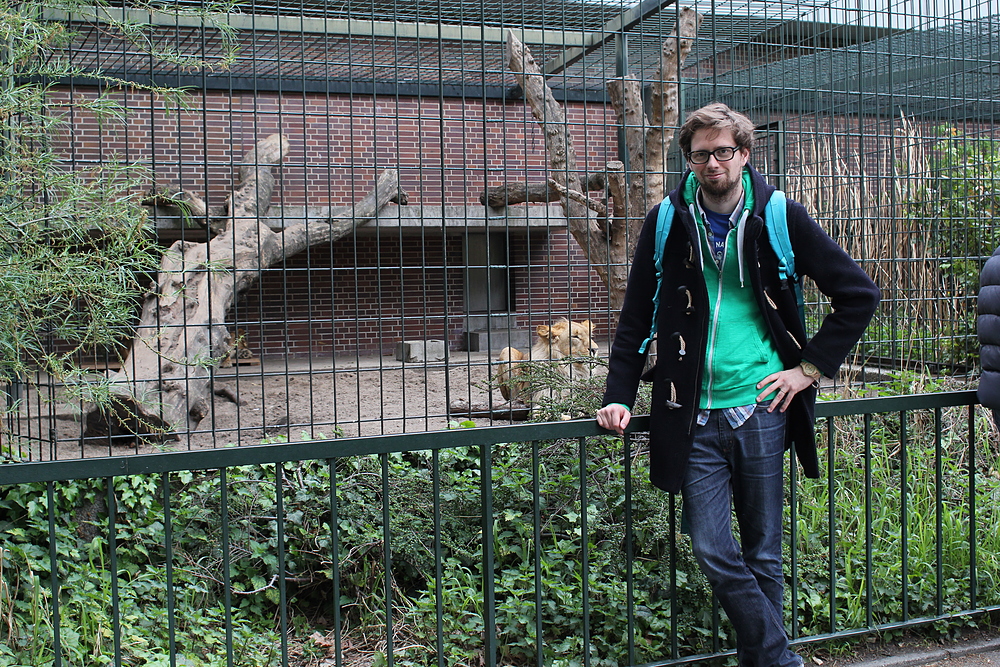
897, 567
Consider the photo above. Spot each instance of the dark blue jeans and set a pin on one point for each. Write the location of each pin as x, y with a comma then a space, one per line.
742, 469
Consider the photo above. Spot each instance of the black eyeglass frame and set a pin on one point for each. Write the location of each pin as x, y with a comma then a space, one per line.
711, 154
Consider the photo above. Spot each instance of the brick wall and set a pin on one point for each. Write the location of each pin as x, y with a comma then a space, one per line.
445, 153
372, 292
363, 294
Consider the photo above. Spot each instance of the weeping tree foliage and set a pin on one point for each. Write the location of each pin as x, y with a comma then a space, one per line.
76, 247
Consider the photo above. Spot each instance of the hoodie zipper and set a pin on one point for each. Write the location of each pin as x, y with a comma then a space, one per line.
714, 329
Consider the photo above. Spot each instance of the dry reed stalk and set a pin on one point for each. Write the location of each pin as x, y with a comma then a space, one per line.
871, 205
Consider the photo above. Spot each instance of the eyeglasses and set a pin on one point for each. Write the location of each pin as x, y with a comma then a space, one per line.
722, 154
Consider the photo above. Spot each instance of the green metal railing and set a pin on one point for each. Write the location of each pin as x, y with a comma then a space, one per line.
592, 561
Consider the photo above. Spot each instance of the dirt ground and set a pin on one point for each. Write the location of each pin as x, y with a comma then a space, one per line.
360, 396
292, 399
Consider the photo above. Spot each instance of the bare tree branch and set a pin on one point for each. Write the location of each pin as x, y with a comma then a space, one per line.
594, 205
647, 140
589, 234
609, 242
510, 194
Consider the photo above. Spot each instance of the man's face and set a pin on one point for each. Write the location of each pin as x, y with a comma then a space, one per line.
718, 178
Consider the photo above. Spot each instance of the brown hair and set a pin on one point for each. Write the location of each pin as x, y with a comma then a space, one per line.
717, 116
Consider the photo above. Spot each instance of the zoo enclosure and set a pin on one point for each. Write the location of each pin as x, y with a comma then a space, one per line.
881, 119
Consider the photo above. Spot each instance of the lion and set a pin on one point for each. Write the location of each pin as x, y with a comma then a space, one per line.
562, 339
236, 348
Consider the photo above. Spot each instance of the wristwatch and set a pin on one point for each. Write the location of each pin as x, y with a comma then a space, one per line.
810, 370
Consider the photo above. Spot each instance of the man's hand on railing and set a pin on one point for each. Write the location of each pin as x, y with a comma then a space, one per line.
614, 417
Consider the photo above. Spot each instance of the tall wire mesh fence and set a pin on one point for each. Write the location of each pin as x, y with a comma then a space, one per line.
350, 314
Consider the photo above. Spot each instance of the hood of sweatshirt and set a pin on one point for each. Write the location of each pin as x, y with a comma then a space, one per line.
689, 195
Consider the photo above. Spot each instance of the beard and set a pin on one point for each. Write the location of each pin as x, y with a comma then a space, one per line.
724, 187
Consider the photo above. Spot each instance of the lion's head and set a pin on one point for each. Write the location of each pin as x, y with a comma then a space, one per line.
566, 339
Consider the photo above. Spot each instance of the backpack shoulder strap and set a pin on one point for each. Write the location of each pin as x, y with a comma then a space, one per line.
663, 222
777, 232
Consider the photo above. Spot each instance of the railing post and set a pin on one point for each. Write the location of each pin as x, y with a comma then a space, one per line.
584, 552
793, 532
113, 567
279, 501
227, 583
674, 612
54, 575
629, 549
869, 519
438, 557
973, 556
169, 567
387, 560
904, 516
938, 513
831, 468
335, 564
489, 592
536, 511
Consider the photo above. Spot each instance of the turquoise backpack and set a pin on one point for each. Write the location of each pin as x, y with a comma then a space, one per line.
776, 223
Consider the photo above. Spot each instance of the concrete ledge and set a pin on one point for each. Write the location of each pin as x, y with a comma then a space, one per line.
482, 340
420, 350
416, 219
955, 653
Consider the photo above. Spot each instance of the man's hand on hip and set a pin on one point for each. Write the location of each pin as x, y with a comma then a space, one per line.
786, 383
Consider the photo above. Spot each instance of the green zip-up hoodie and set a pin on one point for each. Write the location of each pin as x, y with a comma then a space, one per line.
740, 352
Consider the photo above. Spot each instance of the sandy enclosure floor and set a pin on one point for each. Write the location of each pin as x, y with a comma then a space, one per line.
295, 399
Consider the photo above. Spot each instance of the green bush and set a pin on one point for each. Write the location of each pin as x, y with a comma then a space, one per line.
555, 567
86, 590
930, 480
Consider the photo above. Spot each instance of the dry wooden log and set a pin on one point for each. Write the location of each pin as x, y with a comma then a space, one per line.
546, 110
618, 229
594, 205
228, 393
164, 384
646, 140
510, 410
581, 221
609, 243
193, 207
510, 194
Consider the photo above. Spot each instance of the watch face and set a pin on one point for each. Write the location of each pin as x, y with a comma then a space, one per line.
810, 370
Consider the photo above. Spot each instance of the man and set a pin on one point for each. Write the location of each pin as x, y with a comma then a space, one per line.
735, 381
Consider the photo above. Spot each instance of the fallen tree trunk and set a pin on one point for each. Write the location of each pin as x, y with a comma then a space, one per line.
164, 385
